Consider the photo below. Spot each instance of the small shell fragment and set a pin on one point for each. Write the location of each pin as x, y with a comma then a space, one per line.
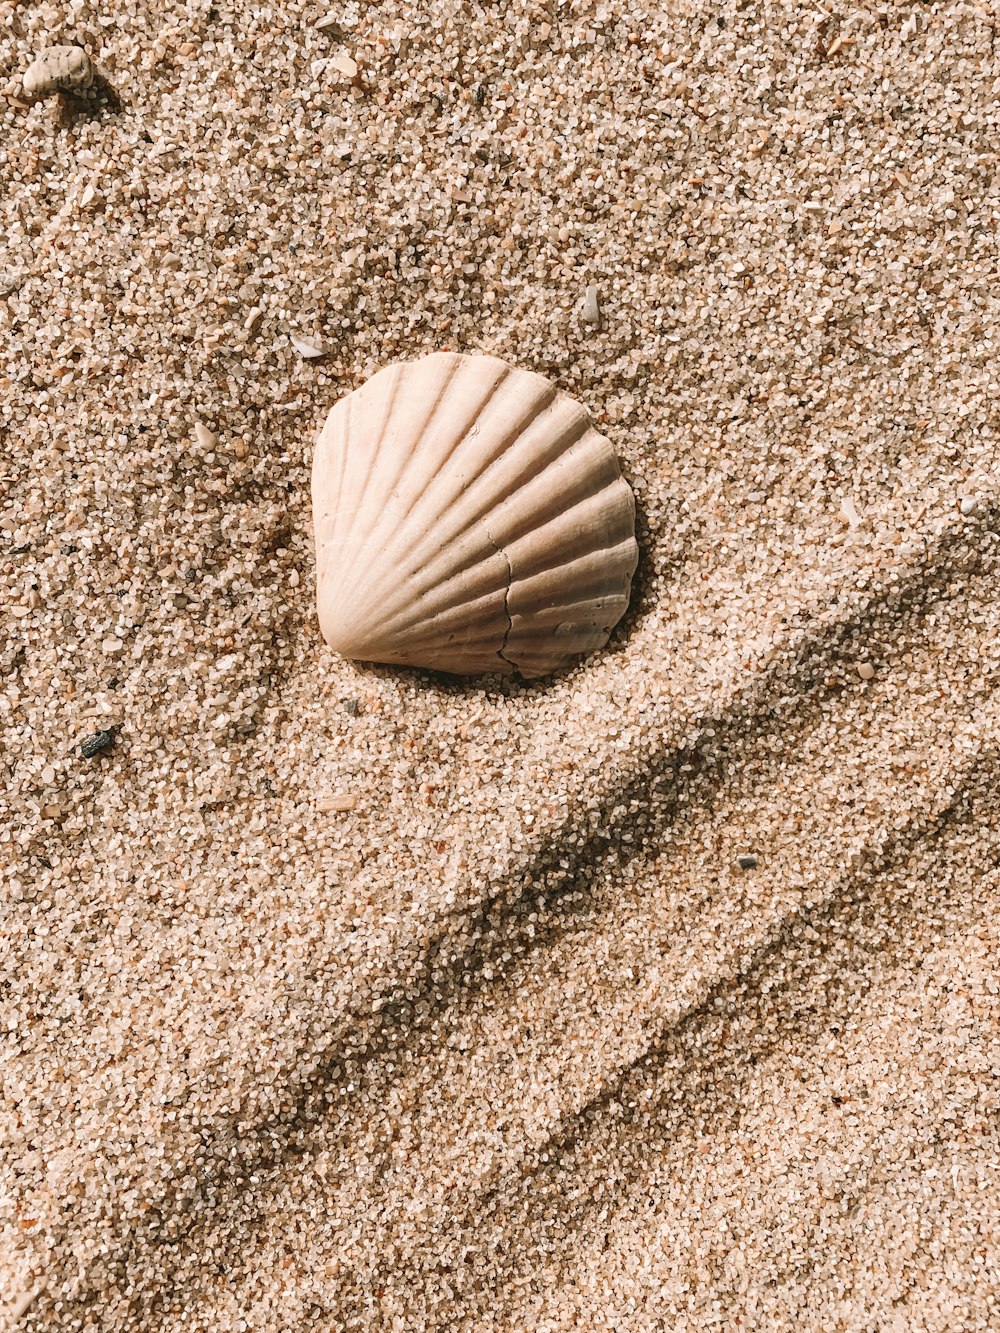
22, 1302
344, 65
305, 347
866, 671
253, 318
591, 310
339, 802
204, 436
849, 512
65, 69
969, 505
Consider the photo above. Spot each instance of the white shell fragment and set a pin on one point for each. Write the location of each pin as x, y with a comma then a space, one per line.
66, 69
307, 348
591, 310
338, 803
205, 438
968, 505
343, 65
468, 519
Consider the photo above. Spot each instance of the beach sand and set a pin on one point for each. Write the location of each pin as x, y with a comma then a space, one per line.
515, 1042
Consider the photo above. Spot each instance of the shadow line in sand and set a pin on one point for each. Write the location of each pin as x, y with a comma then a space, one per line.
776, 701
789, 694
691, 1056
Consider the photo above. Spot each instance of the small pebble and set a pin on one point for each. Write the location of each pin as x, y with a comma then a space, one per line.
64, 69
968, 505
747, 861
352, 707
112, 646
591, 310
339, 802
849, 512
99, 742
204, 436
865, 670
253, 318
344, 65
293, 579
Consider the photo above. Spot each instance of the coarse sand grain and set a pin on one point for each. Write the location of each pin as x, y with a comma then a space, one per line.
344, 998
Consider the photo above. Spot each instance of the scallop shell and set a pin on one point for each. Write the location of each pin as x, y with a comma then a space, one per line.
468, 519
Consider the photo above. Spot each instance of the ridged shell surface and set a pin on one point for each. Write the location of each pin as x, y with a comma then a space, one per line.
470, 519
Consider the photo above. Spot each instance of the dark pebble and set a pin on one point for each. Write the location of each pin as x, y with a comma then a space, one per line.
96, 744
747, 862
352, 707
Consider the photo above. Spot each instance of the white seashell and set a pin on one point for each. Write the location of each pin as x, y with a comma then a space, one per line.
305, 347
468, 519
59, 69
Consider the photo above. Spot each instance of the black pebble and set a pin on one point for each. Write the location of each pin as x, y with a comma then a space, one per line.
100, 741
747, 862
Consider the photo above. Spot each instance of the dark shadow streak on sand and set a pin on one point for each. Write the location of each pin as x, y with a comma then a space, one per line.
786, 696
689, 1058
